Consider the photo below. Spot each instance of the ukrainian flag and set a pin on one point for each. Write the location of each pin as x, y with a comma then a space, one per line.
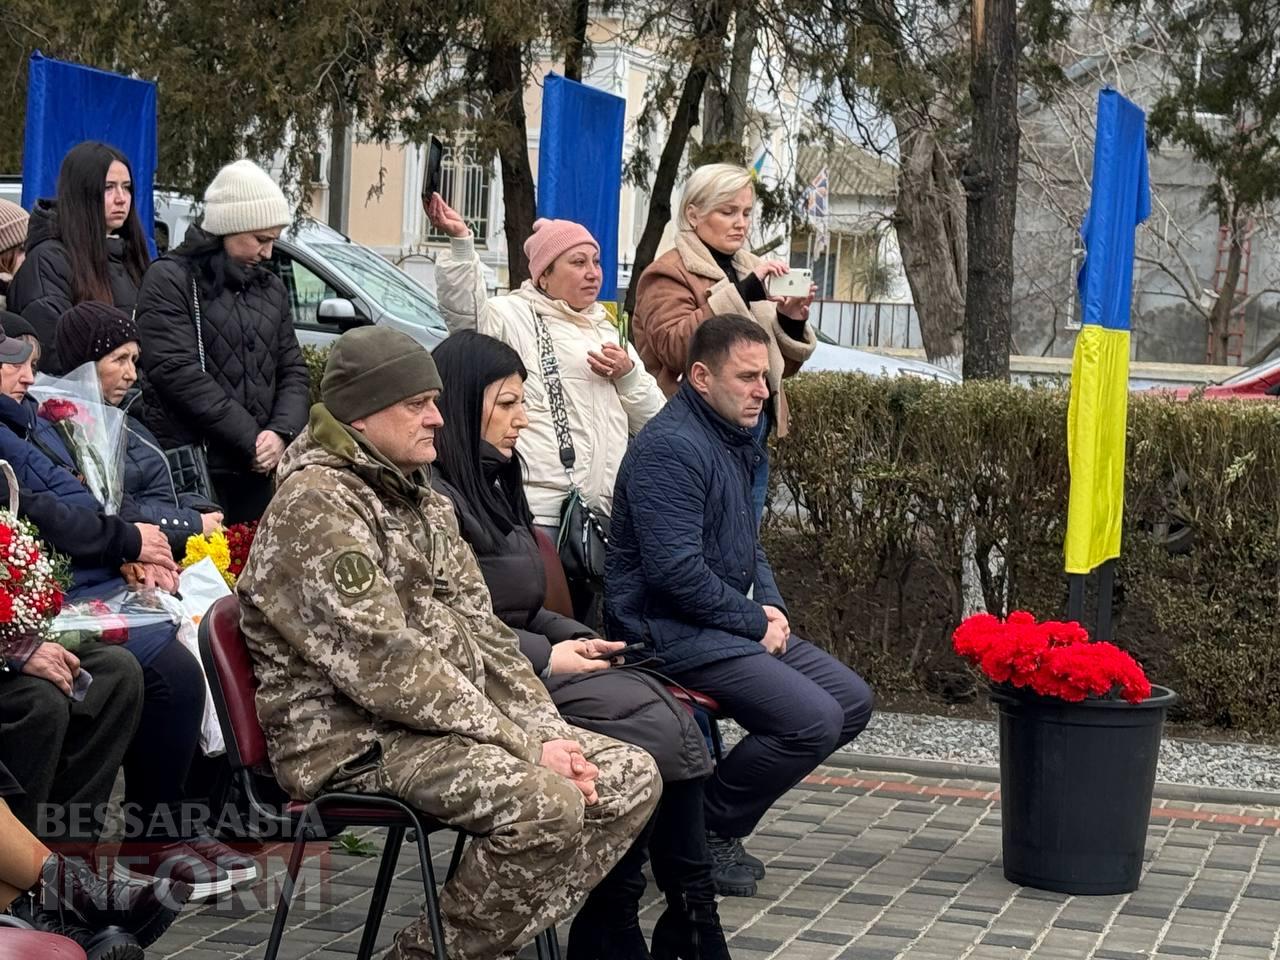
1100, 368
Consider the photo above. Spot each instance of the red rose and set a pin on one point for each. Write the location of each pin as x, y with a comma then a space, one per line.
58, 408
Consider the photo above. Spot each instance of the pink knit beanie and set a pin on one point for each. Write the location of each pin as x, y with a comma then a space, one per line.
549, 239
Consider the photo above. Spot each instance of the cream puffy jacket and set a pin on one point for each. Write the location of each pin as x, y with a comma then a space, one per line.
603, 414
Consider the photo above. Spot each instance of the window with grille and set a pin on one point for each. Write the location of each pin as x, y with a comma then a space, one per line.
465, 182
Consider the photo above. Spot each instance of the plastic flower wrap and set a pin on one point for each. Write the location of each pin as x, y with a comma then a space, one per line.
94, 432
213, 546
110, 619
1053, 659
32, 578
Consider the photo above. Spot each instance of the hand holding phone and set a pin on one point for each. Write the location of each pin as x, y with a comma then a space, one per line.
794, 283
431, 176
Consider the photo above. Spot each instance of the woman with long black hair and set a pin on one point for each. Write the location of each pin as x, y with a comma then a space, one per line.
479, 469
87, 244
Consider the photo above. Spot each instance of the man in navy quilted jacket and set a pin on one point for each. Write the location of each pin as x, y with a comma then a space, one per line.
686, 574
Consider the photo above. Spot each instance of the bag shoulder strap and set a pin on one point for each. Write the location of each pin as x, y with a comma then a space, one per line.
195, 309
555, 395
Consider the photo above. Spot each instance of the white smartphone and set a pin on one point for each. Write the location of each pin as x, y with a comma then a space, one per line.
793, 283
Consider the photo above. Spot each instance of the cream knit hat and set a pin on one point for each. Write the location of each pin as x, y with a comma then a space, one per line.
243, 198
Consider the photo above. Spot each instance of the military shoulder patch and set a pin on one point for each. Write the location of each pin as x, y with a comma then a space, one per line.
353, 573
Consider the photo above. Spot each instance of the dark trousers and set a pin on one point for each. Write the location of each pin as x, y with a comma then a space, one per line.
796, 709
243, 495
157, 763
64, 753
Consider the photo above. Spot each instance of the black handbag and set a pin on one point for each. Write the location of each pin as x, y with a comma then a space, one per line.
583, 536
189, 463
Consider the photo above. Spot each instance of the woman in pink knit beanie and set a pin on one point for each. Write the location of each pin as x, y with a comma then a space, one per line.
607, 394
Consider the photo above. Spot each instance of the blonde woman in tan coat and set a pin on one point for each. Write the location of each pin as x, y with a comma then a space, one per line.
710, 271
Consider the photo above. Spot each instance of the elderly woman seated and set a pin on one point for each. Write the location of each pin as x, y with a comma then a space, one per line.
162, 750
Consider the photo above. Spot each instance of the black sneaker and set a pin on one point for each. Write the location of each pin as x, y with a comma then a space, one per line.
753, 864
731, 878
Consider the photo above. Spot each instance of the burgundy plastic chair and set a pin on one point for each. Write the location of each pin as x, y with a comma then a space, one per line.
229, 668
19, 942
558, 599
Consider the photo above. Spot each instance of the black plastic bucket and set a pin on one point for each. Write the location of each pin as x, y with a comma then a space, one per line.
1075, 788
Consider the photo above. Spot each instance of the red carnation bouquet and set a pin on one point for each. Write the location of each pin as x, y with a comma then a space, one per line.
1053, 659
32, 580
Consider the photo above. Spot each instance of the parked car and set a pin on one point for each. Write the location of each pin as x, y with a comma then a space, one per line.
1253, 383
831, 356
335, 284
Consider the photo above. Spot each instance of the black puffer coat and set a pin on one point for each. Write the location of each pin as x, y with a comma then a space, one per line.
253, 378
622, 703
41, 290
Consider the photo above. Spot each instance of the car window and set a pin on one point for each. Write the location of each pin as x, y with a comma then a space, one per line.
385, 284
306, 290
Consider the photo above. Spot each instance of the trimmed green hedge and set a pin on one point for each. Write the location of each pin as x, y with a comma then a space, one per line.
881, 481
886, 477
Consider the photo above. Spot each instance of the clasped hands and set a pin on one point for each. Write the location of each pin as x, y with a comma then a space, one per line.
566, 758
779, 631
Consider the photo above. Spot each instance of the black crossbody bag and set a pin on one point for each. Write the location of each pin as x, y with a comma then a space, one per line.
189, 463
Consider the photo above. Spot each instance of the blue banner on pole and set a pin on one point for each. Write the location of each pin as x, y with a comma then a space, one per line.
68, 104
580, 165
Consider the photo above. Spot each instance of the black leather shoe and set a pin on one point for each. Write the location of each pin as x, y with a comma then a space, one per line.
143, 907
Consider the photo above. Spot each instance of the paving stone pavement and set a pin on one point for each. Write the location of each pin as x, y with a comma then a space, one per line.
860, 869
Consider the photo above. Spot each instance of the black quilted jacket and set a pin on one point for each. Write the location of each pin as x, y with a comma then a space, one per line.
254, 377
41, 289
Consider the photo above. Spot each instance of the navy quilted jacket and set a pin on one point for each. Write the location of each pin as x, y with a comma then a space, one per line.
38, 473
683, 545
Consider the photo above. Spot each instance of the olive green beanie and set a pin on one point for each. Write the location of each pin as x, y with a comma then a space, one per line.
370, 368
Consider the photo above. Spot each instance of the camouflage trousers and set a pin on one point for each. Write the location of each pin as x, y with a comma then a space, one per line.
538, 849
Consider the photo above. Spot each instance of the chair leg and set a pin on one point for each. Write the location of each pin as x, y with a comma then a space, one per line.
381, 888
459, 846
286, 895
429, 888
547, 944
717, 744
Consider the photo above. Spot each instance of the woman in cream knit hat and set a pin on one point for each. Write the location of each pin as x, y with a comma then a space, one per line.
608, 395
224, 372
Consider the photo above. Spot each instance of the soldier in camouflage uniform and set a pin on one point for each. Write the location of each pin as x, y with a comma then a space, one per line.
383, 668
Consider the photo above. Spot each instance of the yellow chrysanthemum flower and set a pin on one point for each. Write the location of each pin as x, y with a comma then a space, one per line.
215, 547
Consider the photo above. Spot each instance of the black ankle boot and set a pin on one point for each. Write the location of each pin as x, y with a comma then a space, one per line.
143, 908
598, 934
689, 932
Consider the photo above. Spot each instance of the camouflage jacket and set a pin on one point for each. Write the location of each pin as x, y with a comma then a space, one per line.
368, 617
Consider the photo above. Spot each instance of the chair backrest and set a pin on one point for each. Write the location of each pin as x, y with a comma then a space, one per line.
558, 599
229, 669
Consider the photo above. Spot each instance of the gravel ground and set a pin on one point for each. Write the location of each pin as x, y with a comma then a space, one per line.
1238, 766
